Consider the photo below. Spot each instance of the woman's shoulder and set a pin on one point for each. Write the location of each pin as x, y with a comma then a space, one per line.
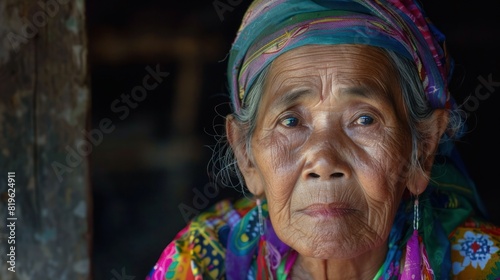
475, 250
199, 248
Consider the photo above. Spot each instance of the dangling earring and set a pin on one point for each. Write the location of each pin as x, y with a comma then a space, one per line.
261, 219
413, 261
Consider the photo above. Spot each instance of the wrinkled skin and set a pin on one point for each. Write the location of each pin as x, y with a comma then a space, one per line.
328, 153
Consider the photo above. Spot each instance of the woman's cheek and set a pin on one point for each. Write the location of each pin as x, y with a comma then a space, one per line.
397, 152
373, 165
367, 137
386, 178
280, 166
284, 150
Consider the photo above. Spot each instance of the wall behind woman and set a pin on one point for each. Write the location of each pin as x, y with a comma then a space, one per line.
157, 73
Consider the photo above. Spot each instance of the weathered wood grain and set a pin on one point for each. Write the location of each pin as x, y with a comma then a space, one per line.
44, 102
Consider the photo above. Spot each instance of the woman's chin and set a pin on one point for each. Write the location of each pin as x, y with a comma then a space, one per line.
331, 240
330, 250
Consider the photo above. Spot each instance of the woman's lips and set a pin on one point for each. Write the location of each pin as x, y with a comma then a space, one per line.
324, 210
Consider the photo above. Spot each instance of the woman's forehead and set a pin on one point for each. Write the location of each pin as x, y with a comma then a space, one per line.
332, 56
353, 66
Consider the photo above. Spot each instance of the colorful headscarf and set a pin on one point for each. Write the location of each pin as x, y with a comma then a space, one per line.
272, 27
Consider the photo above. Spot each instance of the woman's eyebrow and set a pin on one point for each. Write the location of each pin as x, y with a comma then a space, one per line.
361, 91
365, 92
291, 97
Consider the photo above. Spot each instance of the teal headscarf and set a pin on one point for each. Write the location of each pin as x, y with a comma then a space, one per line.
272, 27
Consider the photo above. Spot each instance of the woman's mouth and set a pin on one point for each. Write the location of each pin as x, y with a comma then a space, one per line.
328, 210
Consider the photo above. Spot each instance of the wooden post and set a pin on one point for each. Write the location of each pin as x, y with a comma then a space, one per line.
44, 103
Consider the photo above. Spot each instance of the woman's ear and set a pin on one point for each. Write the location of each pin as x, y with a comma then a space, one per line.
236, 136
433, 128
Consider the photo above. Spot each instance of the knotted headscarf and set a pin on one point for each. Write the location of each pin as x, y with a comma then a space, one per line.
272, 27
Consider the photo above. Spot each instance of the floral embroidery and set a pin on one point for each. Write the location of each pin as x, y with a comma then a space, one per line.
476, 250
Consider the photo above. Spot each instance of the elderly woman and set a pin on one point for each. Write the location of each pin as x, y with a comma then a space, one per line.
342, 130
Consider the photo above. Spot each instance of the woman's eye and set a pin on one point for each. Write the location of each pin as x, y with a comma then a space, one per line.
290, 122
365, 120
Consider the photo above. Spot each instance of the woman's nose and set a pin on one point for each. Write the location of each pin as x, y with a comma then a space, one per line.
324, 169
326, 160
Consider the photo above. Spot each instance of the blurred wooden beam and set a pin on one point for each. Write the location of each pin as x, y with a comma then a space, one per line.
108, 45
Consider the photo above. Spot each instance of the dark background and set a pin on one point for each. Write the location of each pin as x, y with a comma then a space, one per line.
156, 159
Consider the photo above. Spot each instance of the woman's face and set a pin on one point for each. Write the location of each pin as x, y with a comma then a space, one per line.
330, 149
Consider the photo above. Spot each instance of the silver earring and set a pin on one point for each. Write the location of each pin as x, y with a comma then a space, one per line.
261, 219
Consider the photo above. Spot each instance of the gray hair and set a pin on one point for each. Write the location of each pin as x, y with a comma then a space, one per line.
225, 168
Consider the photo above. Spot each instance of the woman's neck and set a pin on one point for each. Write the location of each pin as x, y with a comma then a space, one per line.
364, 266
